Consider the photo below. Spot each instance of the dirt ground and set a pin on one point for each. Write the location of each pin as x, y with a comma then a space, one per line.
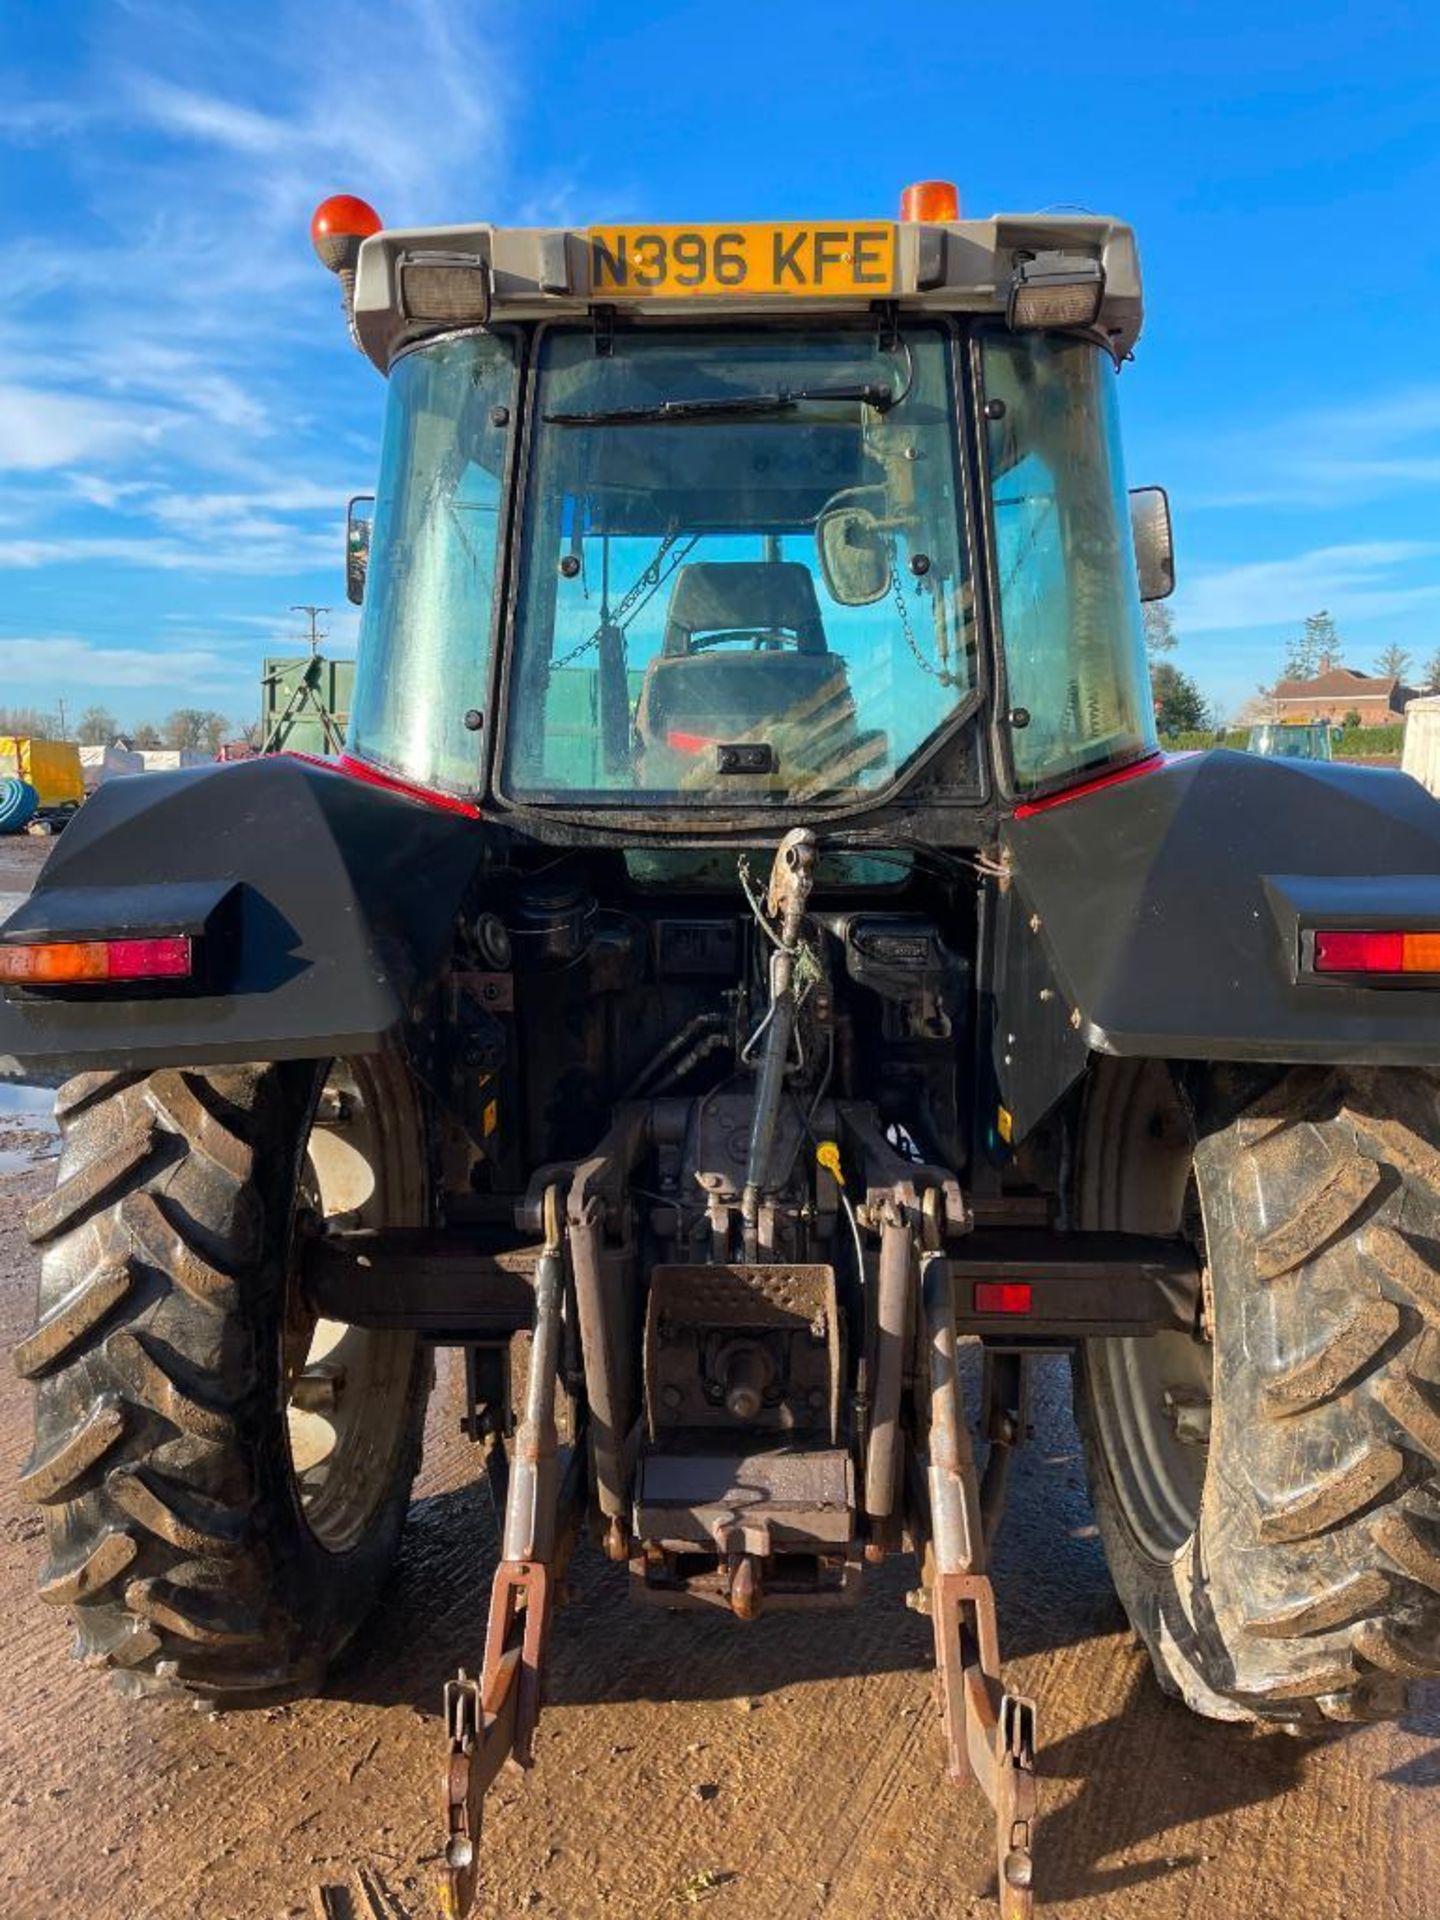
790, 1768
21, 857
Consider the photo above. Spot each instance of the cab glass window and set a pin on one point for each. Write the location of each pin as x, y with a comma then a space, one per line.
425, 631
744, 577
1069, 606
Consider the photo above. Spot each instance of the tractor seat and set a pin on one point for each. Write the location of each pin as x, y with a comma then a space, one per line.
714, 599
700, 689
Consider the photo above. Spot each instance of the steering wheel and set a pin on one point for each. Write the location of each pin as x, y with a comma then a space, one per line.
759, 641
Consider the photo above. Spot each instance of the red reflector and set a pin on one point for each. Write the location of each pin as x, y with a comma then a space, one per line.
1359, 952
1364, 950
688, 742
96, 962
164, 959
1002, 1296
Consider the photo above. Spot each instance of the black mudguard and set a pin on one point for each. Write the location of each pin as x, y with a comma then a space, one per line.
1162, 917
322, 907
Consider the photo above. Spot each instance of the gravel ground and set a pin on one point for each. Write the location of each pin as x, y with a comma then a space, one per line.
21, 857
791, 1768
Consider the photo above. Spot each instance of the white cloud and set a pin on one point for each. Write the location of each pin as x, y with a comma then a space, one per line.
1354, 581
98, 491
419, 115
1323, 457
42, 429
26, 121
66, 661
246, 509
276, 550
202, 117
190, 344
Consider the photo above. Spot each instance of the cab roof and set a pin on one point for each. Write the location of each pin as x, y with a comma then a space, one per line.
418, 281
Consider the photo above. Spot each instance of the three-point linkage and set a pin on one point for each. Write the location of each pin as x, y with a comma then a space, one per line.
492, 1719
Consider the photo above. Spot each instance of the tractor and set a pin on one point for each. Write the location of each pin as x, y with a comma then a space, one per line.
749, 973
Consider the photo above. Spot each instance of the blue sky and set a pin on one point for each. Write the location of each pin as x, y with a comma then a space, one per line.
181, 417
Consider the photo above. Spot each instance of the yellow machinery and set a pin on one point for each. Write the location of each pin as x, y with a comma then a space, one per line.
52, 767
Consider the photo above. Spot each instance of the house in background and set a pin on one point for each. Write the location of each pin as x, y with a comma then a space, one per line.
1340, 692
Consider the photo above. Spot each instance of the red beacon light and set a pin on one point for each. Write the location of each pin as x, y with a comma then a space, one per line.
930, 200
337, 227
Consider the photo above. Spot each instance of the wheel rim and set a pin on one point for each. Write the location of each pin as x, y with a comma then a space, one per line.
1152, 1405
347, 1389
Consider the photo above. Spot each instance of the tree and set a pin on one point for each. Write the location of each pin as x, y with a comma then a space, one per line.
1180, 707
1322, 638
1393, 661
30, 722
146, 735
190, 727
1432, 673
1299, 657
1160, 634
184, 727
96, 727
1258, 710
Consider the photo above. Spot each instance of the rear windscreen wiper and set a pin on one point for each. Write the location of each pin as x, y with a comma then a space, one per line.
726, 406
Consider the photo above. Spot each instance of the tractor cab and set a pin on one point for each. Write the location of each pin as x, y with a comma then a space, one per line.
1292, 740
671, 534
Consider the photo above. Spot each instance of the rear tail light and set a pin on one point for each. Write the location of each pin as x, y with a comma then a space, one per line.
1002, 1296
688, 742
96, 962
1359, 950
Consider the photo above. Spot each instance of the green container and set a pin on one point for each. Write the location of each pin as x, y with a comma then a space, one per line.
305, 703
572, 725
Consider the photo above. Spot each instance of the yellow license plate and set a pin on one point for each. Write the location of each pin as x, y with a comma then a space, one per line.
650, 263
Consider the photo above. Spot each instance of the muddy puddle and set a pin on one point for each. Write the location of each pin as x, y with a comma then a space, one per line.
27, 1126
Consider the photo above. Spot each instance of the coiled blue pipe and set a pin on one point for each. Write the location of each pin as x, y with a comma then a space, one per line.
18, 801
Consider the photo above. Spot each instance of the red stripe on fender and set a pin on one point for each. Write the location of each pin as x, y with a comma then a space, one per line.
390, 783
1151, 764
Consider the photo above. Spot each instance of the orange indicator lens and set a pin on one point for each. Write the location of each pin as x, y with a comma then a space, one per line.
930, 200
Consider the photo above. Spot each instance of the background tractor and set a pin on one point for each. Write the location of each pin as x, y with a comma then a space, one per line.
750, 948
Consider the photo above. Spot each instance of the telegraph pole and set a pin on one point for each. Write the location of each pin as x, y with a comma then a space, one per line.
313, 615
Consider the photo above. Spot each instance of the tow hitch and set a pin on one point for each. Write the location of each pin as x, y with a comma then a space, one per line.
492, 1719
987, 1728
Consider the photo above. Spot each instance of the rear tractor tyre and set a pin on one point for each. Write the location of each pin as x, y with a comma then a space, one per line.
223, 1476
1268, 1497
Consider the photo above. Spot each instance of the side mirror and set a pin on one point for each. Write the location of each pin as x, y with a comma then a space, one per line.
854, 554
359, 520
1154, 542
